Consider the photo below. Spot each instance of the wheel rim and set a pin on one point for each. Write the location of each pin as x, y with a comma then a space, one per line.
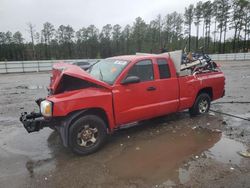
203, 106
87, 136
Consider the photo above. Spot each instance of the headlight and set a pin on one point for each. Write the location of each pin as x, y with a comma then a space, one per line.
46, 108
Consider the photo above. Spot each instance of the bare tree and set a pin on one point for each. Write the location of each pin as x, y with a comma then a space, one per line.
31, 30
246, 26
207, 15
226, 18
197, 17
48, 33
159, 26
222, 16
37, 38
188, 17
237, 20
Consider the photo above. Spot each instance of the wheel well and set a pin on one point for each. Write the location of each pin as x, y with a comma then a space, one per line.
92, 111
99, 112
207, 90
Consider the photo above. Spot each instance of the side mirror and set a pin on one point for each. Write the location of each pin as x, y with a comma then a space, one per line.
131, 80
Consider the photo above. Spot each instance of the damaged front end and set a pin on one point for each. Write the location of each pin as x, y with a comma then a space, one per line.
65, 78
32, 122
35, 121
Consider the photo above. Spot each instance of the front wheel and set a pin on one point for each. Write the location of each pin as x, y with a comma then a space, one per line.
201, 105
87, 134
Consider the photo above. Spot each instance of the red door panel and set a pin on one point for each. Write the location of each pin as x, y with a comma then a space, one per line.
134, 102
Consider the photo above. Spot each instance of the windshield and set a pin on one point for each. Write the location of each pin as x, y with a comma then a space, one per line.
107, 70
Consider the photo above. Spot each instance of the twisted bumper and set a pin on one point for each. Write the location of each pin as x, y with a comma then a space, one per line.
33, 122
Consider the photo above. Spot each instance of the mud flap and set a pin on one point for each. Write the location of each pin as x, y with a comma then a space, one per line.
63, 129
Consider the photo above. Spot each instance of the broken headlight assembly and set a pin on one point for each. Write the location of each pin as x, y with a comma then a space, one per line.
46, 108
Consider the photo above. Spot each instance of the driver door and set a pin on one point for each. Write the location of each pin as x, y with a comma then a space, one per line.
135, 101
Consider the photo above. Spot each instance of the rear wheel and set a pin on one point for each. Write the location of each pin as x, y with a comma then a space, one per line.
87, 135
201, 105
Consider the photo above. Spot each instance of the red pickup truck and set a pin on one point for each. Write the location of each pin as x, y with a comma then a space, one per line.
86, 106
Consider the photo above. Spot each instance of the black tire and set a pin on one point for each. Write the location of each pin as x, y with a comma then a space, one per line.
81, 128
204, 100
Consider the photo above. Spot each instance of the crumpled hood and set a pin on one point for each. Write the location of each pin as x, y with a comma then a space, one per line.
61, 68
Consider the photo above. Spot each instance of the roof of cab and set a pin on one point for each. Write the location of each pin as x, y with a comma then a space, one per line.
137, 57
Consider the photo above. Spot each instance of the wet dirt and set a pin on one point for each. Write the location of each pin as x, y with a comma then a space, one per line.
170, 151
157, 159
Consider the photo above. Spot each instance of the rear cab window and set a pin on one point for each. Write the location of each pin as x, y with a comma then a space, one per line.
163, 68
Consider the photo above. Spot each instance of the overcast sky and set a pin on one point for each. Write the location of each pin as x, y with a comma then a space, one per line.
15, 14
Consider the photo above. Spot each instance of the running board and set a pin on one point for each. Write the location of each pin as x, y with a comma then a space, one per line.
125, 126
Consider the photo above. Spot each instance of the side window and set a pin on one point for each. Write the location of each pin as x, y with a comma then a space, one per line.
163, 68
143, 69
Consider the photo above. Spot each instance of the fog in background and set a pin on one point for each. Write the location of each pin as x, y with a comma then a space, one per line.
15, 14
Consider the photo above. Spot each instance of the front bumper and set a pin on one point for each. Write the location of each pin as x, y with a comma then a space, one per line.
33, 122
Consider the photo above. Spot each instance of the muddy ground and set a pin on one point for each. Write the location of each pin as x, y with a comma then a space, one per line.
171, 151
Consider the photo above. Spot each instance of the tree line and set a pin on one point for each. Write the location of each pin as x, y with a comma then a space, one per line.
212, 22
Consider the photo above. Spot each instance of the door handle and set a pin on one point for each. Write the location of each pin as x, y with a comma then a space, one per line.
151, 88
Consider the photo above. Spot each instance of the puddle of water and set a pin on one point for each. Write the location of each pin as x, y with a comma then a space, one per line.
17, 149
6, 121
18, 141
245, 76
158, 159
3, 120
155, 160
31, 87
226, 151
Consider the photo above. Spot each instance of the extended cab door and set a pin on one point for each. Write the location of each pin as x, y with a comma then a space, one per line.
167, 85
136, 101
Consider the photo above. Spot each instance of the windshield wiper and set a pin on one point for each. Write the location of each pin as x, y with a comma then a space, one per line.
101, 74
90, 67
